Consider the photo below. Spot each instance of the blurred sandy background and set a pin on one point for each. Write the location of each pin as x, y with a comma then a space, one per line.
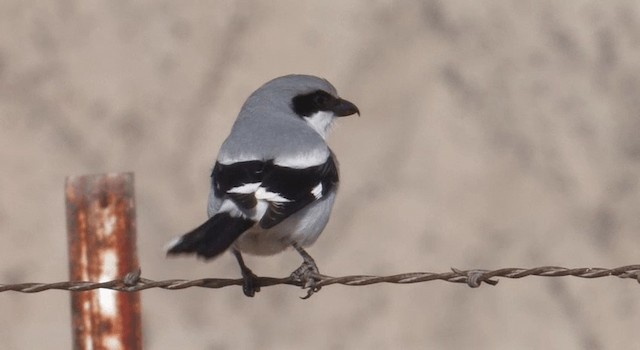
493, 134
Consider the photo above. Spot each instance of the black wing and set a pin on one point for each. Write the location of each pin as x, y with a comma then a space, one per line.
299, 188
227, 177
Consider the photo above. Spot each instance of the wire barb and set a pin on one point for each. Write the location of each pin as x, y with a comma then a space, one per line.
134, 282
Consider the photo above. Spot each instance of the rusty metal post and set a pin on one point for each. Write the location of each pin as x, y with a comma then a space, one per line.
101, 229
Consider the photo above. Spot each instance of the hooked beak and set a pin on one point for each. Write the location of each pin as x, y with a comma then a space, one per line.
344, 108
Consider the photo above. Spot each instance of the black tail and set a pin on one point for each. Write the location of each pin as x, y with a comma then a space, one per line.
211, 238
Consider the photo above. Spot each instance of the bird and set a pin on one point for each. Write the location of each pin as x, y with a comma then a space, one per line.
275, 179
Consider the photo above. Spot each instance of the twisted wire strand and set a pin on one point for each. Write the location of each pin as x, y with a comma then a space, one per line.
134, 282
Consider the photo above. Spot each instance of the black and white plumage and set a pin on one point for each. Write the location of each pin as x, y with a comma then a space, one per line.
275, 179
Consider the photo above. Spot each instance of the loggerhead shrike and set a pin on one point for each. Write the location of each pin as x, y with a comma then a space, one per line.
275, 180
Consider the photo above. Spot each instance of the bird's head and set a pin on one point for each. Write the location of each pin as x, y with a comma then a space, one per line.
306, 97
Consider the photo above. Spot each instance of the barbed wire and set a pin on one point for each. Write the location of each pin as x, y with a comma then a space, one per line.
134, 282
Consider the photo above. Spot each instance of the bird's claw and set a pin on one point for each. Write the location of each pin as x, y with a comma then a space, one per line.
250, 284
305, 274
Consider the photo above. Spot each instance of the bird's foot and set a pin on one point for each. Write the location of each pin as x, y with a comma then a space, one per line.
250, 284
305, 274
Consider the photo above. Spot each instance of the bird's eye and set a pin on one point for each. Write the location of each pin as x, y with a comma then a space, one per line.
321, 100
308, 104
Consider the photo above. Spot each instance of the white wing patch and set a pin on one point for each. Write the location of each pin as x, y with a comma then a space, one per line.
263, 194
317, 191
246, 188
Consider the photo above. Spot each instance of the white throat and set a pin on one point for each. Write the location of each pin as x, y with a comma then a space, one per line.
321, 122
